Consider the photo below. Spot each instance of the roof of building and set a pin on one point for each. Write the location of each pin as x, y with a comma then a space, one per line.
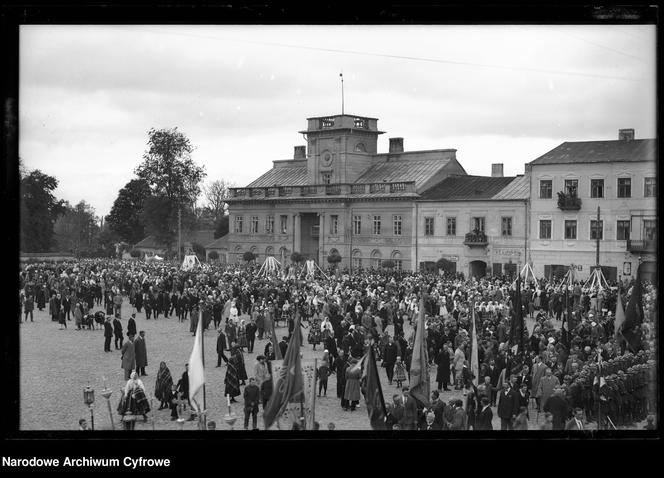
418, 170
219, 243
517, 189
600, 152
454, 188
281, 176
203, 236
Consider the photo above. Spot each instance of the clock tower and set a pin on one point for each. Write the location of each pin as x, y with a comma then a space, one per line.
340, 147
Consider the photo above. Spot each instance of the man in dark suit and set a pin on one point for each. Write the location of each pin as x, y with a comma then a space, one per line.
108, 334
390, 358
508, 407
409, 420
117, 330
430, 423
250, 331
283, 346
485, 416
221, 347
396, 414
251, 398
559, 408
494, 374
437, 406
576, 423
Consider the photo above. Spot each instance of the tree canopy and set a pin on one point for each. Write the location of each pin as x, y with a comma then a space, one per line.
125, 216
39, 209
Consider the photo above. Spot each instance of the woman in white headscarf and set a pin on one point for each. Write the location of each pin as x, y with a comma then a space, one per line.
133, 402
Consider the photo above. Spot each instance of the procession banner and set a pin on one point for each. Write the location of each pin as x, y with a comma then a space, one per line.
419, 367
293, 410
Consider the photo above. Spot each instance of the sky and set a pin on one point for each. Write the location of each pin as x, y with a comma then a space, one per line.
88, 95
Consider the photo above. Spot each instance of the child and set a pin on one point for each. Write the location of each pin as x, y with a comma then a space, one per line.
399, 372
175, 403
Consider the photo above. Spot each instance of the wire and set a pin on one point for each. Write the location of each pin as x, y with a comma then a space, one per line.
603, 46
405, 57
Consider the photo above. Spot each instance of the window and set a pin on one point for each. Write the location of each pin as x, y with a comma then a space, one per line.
572, 187
334, 224
650, 188
428, 226
357, 225
506, 227
238, 223
546, 188
357, 260
596, 188
545, 229
376, 225
622, 230
396, 220
253, 229
283, 224
398, 264
570, 229
451, 226
649, 229
596, 229
478, 224
327, 177
269, 225
376, 259
624, 187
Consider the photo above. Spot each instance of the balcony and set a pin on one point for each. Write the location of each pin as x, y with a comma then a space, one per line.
568, 202
476, 239
315, 190
642, 245
333, 189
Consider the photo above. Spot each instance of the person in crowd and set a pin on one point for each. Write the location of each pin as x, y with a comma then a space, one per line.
251, 400
163, 386
141, 352
117, 332
221, 347
108, 334
128, 356
133, 402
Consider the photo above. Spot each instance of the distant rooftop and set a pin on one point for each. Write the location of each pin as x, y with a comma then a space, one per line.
600, 152
468, 188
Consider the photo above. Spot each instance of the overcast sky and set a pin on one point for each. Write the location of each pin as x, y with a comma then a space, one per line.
89, 94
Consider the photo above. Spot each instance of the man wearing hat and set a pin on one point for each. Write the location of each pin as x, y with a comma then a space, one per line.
117, 331
131, 324
128, 356
108, 334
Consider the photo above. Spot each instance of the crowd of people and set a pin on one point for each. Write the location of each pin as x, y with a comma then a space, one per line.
574, 373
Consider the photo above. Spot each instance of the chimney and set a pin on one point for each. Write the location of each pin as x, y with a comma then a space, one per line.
300, 152
396, 145
626, 134
497, 170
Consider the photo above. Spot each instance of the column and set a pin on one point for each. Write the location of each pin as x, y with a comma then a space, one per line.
297, 232
322, 262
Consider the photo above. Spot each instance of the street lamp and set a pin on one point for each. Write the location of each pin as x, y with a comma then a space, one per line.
89, 399
106, 393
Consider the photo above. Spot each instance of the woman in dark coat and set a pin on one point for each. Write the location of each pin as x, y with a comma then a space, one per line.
41, 298
241, 369
133, 402
163, 386
443, 369
232, 381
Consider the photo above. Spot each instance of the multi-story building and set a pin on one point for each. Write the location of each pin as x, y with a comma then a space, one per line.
477, 224
570, 182
338, 194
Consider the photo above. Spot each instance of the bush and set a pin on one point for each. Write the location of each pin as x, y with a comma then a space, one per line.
213, 255
249, 256
199, 250
297, 258
334, 258
388, 264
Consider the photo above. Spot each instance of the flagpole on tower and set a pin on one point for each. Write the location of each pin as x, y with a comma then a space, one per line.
342, 92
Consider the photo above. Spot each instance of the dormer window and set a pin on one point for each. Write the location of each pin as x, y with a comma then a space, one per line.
360, 148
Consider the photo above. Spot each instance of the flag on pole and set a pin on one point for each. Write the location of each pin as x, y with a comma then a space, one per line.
634, 316
275, 344
620, 315
516, 331
474, 357
197, 370
564, 328
419, 366
290, 384
374, 393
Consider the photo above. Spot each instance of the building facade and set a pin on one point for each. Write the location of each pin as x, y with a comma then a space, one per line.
570, 182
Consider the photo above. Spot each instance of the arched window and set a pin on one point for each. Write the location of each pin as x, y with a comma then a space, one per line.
376, 258
284, 255
254, 250
360, 148
357, 259
238, 253
398, 262
269, 251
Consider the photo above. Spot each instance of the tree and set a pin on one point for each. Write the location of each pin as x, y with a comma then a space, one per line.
249, 256
297, 258
216, 194
39, 209
334, 258
173, 179
199, 250
76, 230
213, 255
222, 227
125, 216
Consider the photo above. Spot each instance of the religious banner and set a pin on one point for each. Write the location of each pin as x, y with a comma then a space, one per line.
294, 410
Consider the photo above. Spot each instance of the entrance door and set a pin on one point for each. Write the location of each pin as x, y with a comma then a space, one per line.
477, 269
309, 235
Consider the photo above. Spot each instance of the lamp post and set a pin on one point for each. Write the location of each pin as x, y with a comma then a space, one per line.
89, 399
106, 393
230, 418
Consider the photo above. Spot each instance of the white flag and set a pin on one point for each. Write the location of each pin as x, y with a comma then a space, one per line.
474, 358
196, 370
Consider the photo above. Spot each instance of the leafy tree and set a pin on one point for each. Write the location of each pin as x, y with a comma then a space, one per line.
297, 258
222, 227
125, 216
39, 209
216, 194
249, 256
334, 259
213, 255
199, 250
76, 230
173, 179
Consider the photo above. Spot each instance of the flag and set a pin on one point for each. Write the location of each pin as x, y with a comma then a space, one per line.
500, 385
474, 357
374, 393
275, 344
419, 365
634, 316
197, 370
290, 384
620, 315
564, 328
516, 332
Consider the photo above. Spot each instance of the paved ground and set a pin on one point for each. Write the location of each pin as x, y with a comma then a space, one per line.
56, 365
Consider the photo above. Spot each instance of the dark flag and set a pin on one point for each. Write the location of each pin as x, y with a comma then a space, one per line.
290, 384
275, 344
516, 331
419, 365
564, 328
631, 329
374, 393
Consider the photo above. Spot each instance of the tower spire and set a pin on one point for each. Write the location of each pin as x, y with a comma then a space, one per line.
342, 92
